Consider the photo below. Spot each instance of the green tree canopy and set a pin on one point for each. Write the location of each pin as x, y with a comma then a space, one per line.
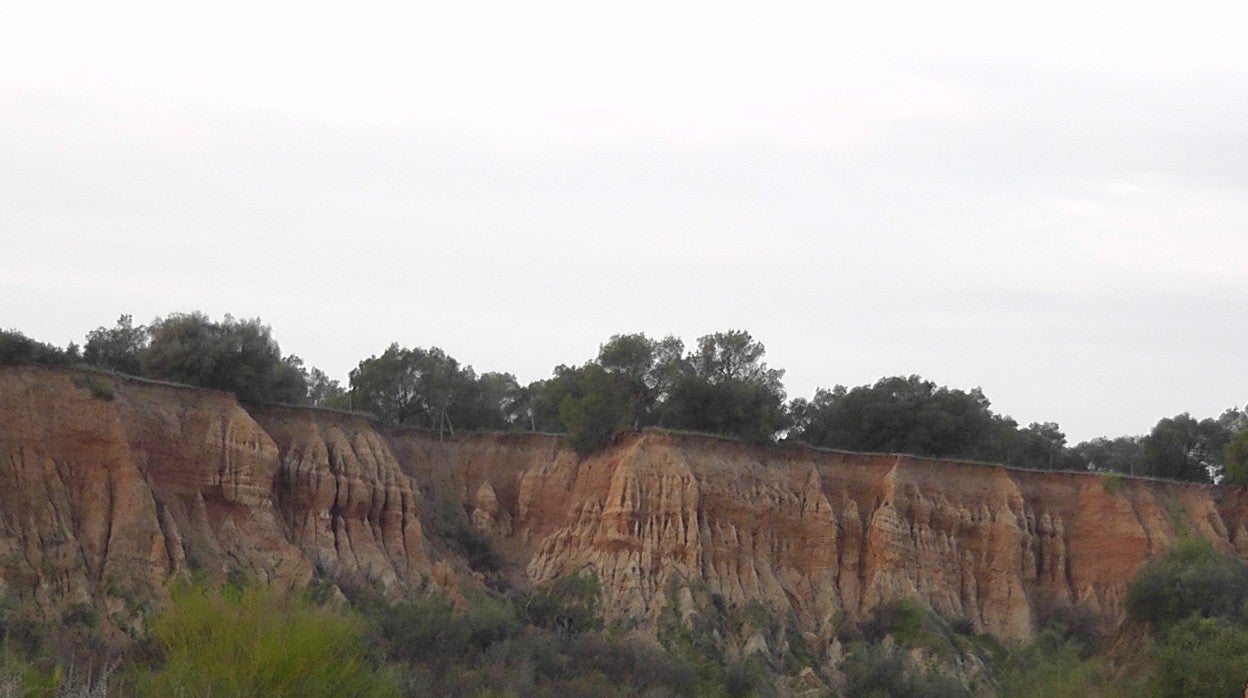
598, 406
1122, 454
647, 368
323, 391
1181, 448
239, 356
1235, 459
909, 415
724, 387
429, 388
119, 348
17, 348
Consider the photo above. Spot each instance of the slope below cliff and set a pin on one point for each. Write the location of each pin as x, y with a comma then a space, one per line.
104, 501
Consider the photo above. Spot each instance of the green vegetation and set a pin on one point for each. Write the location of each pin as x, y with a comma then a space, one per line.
17, 348
1235, 456
1201, 657
1192, 579
1053, 664
251, 642
119, 348
888, 671
100, 387
542, 642
721, 386
429, 389
551, 641
239, 356
1112, 483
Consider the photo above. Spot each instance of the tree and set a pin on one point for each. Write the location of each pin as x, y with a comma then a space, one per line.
323, 391
430, 389
648, 367
598, 408
732, 356
908, 415
239, 356
724, 387
119, 348
1201, 657
1040, 446
17, 348
494, 401
1181, 448
1235, 459
1123, 454
406, 386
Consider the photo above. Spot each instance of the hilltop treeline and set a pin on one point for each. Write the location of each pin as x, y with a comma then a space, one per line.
720, 385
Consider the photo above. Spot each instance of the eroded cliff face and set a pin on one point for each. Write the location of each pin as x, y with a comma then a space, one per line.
104, 501
826, 535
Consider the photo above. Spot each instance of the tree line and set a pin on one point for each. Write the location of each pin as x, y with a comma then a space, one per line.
720, 385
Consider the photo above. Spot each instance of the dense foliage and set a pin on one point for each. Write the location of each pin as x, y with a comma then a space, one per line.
17, 348
430, 389
239, 356
1195, 600
252, 642
1235, 457
902, 415
720, 386
1191, 579
119, 348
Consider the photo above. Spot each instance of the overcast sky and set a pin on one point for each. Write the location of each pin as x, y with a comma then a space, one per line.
1049, 204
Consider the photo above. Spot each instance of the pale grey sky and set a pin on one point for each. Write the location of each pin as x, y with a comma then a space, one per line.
1051, 204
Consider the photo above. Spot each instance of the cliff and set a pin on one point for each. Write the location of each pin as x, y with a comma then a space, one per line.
104, 501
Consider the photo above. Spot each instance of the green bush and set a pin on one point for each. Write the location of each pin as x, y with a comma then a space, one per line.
251, 642
98, 386
903, 619
886, 671
1053, 664
422, 628
1191, 578
570, 605
1112, 483
448, 520
1202, 657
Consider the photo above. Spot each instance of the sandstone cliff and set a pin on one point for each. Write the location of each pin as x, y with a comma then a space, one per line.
102, 502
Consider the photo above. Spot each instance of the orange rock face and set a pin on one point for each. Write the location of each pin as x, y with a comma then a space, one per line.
821, 534
108, 499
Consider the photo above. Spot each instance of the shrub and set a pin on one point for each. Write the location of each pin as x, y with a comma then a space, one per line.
885, 670
252, 642
1112, 483
1052, 665
98, 386
1201, 657
568, 605
422, 628
1191, 578
903, 619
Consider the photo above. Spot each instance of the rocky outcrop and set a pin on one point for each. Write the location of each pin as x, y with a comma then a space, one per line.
824, 535
103, 501
346, 502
